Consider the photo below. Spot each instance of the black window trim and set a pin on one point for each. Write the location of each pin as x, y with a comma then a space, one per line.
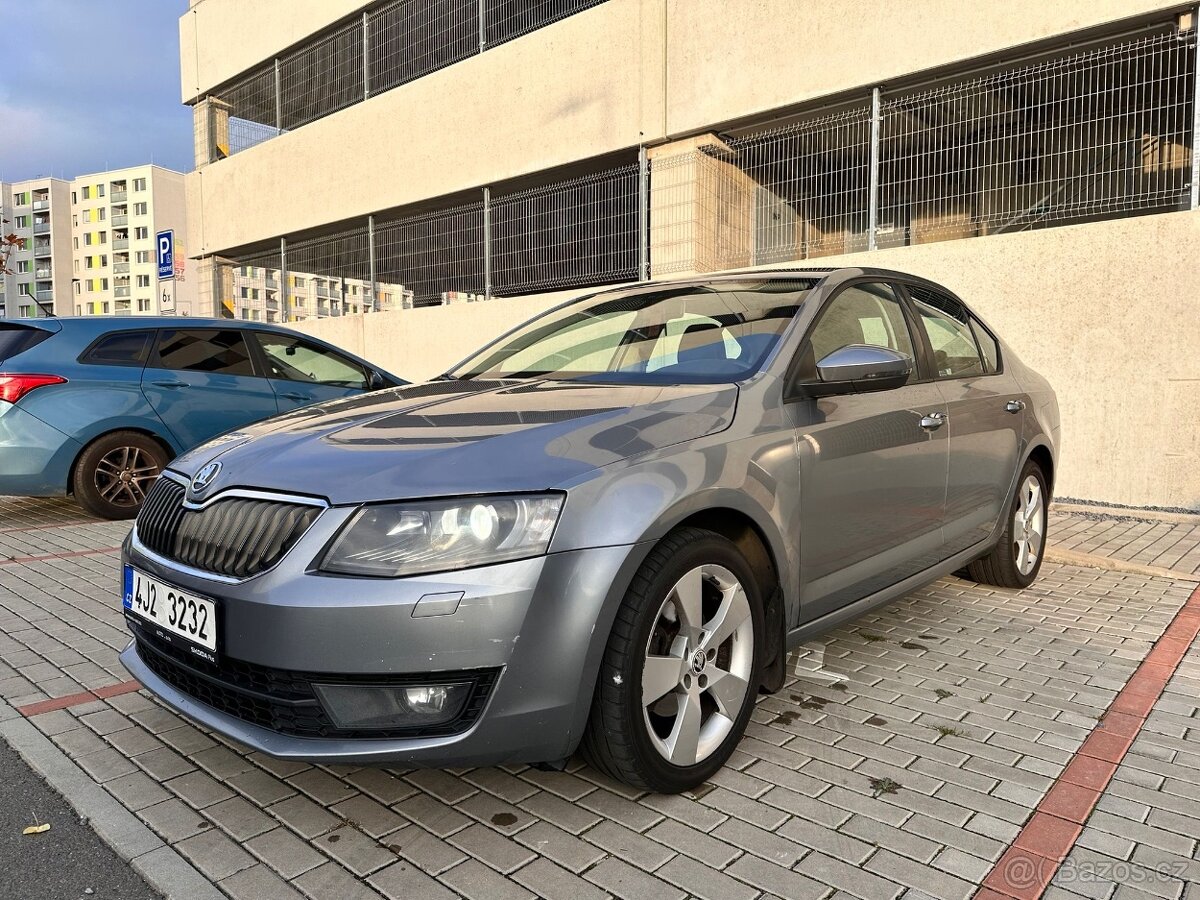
154, 361
149, 347
923, 335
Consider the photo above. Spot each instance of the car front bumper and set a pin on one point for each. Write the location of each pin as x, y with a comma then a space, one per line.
541, 624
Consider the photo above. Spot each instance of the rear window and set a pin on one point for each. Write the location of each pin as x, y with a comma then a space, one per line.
16, 339
120, 348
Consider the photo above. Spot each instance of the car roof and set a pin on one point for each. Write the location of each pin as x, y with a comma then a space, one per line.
99, 324
781, 274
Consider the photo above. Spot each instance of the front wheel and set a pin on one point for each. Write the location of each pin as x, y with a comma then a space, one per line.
1017, 558
115, 471
679, 676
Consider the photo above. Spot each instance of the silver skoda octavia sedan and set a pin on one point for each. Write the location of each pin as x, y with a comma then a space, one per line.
602, 532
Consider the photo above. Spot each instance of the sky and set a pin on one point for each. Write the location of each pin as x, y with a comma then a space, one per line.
89, 85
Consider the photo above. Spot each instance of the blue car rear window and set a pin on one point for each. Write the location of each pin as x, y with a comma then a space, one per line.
16, 339
119, 348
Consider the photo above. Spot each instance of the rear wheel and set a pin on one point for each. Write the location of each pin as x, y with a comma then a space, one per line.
115, 471
680, 673
1017, 558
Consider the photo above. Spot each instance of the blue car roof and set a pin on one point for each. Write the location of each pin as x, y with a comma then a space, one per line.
127, 323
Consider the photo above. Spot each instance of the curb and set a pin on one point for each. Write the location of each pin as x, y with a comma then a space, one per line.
1088, 560
1126, 512
162, 866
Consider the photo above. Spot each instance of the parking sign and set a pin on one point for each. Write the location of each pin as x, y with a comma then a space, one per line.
166, 254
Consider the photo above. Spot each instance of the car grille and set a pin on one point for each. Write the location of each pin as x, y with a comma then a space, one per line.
284, 701
236, 536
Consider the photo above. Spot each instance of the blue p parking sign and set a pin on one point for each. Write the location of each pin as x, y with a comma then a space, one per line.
165, 241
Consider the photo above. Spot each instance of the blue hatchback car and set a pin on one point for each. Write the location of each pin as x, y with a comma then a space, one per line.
97, 407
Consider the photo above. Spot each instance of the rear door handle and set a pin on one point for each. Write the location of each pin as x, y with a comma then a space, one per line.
170, 384
933, 421
1014, 406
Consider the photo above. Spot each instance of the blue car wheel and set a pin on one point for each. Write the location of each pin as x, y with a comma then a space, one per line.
115, 471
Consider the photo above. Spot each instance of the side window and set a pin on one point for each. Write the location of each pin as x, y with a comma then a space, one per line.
862, 314
292, 359
955, 354
988, 344
120, 348
205, 350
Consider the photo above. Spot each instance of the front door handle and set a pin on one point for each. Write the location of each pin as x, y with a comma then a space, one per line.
1014, 406
297, 397
933, 421
170, 384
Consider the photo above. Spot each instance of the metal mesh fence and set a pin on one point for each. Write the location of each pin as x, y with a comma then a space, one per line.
330, 275
568, 234
438, 256
508, 19
408, 39
401, 40
1100, 132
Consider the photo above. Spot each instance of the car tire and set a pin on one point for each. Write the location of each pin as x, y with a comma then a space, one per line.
114, 472
676, 741
1016, 560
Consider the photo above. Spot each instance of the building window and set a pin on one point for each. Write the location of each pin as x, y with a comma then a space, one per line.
87, 192
103, 214
74, 198
104, 237
87, 239
141, 232
76, 242
23, 266
139, 209
26, 311
139, 184
142, 256
87, 215
99, 190
106, 307
21, 199
143, 304
143, 281
21, 221
24, 289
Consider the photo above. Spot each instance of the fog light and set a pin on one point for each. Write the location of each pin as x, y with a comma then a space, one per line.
355, 706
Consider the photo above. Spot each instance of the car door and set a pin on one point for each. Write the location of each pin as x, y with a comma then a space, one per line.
872, 465
984, 410
203, 381
302, 372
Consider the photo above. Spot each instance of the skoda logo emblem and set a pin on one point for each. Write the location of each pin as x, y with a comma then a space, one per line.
205, 477
698, 661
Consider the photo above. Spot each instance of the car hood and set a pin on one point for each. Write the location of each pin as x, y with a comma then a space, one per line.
460, 437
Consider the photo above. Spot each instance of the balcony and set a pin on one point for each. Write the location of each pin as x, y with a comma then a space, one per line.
44, 272
39, 205
272, 283
120, 243
41, 248
118, 221
121, 268
45, 296
118, 196
41, 227
121, 291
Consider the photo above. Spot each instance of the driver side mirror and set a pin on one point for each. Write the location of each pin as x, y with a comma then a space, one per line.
375, 381
859, 369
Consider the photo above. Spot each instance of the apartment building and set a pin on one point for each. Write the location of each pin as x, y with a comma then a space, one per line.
39, 212
1038, 158
114, 219
89, 245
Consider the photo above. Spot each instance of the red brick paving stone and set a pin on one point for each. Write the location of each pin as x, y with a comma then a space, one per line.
1047, 835
1070, 801
116, 690
45, 706
1088, 772
1108, 747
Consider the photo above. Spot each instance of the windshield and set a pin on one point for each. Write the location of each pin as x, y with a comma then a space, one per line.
707, 334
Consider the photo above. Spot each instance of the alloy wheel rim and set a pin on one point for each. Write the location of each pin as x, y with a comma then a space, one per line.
1029, 525
697, 667
124, 474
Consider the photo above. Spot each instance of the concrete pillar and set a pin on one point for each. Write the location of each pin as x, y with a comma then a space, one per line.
210, 118
701, 208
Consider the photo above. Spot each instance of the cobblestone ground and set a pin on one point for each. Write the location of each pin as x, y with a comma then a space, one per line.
961, 706
1129, 537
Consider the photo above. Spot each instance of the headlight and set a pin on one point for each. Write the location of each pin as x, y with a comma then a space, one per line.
443, 535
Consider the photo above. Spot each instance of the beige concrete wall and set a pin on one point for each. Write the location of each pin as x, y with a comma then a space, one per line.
219, 39
572, 91
1107, 311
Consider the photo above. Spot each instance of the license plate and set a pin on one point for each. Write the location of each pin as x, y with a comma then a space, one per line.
177, 613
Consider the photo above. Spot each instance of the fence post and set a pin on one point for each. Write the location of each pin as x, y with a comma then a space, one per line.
482, 25
873, 173
1196, 111
487, 243
278, 100
215, 277
284, 290
366, 54
643, 226
371, 262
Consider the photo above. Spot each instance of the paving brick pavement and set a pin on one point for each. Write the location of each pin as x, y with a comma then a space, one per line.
1145, 538
961, 707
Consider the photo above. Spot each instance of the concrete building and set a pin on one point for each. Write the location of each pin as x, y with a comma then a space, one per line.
90, 244
1038, 158
39, 212
114, 219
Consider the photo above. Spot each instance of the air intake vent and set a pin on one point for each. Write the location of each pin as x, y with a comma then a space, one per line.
236, 536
